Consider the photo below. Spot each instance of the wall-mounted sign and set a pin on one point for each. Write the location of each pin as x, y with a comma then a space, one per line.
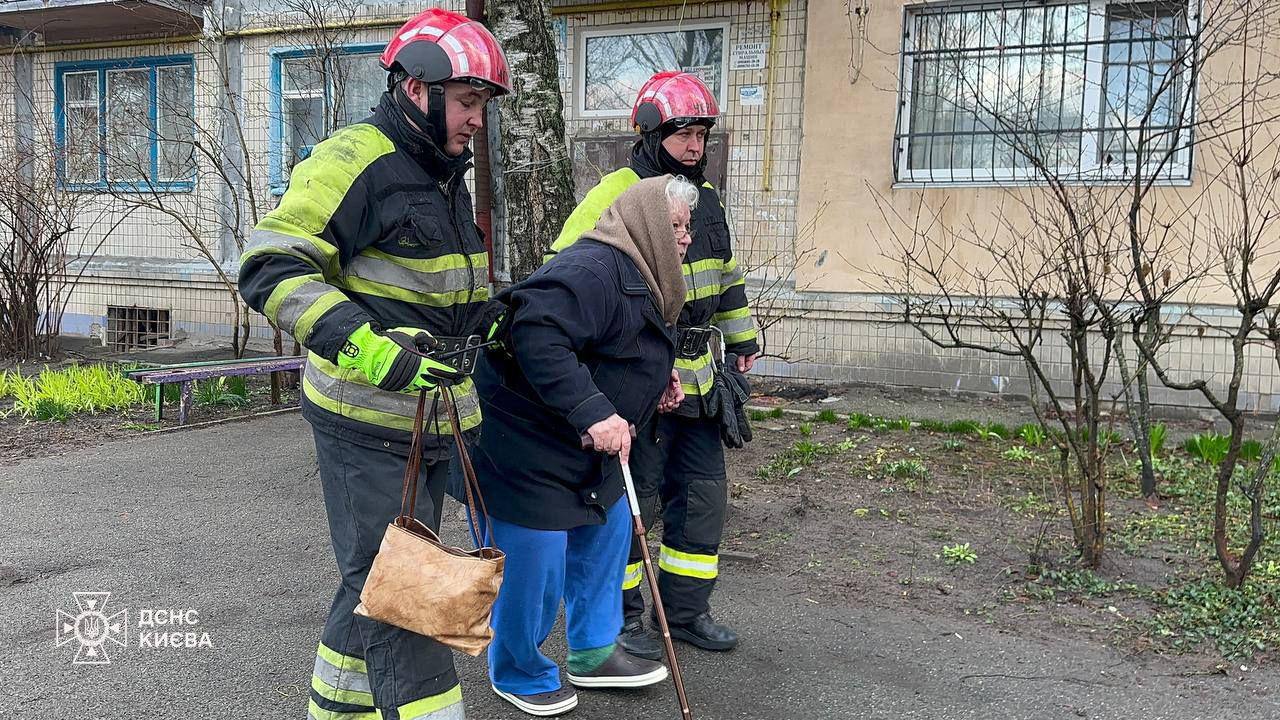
748, 56
751, 95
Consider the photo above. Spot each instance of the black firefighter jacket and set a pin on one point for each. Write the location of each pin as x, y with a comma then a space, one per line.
587, 341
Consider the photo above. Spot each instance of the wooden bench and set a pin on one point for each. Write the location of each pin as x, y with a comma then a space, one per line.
187, 374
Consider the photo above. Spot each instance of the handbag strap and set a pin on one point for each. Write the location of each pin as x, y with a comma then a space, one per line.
409, 491
471, 485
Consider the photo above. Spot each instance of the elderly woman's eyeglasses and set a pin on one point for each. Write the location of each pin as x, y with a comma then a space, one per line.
681, 231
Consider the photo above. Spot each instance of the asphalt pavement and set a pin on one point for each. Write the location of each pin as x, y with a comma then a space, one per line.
228, 522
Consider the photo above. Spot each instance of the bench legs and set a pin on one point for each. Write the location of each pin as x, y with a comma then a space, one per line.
184, 406
159, 402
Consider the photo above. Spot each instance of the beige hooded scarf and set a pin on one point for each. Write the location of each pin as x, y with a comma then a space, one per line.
639, 224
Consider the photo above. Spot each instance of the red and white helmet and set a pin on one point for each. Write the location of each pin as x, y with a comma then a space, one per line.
440, 45
674, 97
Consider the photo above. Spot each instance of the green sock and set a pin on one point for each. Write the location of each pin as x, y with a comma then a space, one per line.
584, 661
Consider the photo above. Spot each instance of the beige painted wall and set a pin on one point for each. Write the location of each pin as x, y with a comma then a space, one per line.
847, 186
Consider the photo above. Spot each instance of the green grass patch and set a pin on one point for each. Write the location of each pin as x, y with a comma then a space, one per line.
1240, 622
56, 395
219, 392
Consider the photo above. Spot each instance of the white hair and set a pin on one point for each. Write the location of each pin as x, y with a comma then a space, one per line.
681, 190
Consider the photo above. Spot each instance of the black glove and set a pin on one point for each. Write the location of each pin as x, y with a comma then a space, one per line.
727, 403
495, 325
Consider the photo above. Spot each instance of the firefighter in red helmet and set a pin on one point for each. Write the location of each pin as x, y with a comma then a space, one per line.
677, 460
372, 260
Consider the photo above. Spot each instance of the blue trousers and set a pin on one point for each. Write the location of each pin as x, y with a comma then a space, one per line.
583, 566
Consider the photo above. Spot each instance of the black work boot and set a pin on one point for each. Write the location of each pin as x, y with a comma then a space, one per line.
705, 633
638, 641
621, 670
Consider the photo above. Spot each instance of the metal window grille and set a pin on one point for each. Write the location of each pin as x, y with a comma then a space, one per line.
1083, 90
133, 328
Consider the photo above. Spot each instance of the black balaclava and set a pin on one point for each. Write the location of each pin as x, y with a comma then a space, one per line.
425, 141
651, 155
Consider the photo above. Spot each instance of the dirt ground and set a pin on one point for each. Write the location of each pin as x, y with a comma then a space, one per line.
861, 517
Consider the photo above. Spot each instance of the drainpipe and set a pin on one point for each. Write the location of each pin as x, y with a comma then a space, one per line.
484, 186
775, 16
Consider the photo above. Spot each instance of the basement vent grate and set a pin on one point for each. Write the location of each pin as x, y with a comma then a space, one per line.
134, 328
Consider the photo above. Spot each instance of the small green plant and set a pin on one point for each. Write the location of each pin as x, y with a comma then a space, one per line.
1032, 435
953, 444
140, 427
775, 414
1028, 504
903, 423
858, 421
992, 432
48, 409
933, 426
827, 416
216, 392
1156, 436
1251, 451
172, 393
906, 469
758, 415
963, 427
1208, 447
1017, 453
806, 429
1082, 582
959, 554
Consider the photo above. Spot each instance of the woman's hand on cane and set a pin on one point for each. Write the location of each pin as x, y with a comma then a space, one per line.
613, 436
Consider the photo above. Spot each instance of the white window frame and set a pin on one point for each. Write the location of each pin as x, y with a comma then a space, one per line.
111, 102
94, 103
580, 53
1092, 170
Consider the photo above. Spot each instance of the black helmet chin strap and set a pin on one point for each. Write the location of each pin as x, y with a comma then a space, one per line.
430, 123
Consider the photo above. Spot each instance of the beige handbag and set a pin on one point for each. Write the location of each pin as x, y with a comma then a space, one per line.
420, 584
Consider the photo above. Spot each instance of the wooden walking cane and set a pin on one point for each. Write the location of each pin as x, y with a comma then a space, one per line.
651, 577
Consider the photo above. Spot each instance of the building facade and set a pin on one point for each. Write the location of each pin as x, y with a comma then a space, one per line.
837, 116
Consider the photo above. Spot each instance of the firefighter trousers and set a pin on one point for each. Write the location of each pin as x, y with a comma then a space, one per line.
363, 664
683, 473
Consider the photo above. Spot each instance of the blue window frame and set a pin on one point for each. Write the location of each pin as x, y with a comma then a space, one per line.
126, 124
311, 98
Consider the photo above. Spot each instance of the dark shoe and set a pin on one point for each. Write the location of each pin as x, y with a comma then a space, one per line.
547, 704
621, 670
639, 642
705, 633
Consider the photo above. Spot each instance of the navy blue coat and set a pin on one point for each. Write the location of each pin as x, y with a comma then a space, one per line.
588, 341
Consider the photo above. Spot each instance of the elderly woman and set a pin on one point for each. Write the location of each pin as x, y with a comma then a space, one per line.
591, 354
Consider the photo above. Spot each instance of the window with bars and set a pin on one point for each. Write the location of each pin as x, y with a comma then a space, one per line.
1083, 90
314, 96
126, 124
